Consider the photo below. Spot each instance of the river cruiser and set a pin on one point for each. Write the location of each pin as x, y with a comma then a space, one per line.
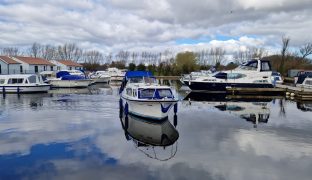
65, 80
116, 74
304, 80
22, 83
101, 77
253, 74
141, 95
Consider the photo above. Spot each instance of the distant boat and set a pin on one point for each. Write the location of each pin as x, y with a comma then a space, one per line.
276, 77
22, 83
65, 80
253, 74
101, 77
304, 80
116, 74
141, 95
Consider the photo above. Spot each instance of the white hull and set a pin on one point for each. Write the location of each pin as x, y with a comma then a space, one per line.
102, 80
24, 89
117, 78
149, 109
70, 83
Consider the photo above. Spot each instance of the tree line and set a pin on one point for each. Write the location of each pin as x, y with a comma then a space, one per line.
167, 62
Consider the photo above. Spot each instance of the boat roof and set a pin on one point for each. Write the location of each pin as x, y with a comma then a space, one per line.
131, 74
17, 75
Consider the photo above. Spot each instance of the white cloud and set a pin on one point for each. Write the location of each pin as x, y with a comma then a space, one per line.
112, 25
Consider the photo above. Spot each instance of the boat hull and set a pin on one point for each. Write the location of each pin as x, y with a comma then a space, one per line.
157, 110
70, 83
221, 87
117, 78
102, 80
25, 89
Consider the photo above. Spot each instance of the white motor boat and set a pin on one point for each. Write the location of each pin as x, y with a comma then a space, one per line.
141, 95
101, 77
304, 80
277, 78
65, 80
253, 74
22, 83
116, 74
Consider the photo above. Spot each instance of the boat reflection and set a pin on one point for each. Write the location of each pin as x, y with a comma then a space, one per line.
255, 110
157, 140
304, 106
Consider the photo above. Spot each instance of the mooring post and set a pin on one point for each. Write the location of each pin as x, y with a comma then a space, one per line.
3, 91
175, 108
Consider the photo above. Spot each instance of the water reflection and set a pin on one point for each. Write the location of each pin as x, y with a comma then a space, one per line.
80, 136
304, 106
157, 140
252, 110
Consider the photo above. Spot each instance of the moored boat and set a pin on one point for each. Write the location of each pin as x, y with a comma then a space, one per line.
116, 74
141, 95
22, 83
101, 77
304, 80
65, 80
253, 74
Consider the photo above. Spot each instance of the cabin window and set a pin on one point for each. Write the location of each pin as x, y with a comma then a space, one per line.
147, 93
2, 81
253, 65
32, 79
265, 66
221, 75
134, 93
0, 69
21, 69
44, 68
16, 81
51, 68
235, 75
308, 82
129, 91
164, 93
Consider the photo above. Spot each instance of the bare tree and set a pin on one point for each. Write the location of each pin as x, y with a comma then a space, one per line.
306, 50
35, 50
70, 51
284, 51
10, 51
93, 57
217, 55
49, 52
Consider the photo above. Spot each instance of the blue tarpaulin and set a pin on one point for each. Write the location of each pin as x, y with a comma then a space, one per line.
72, 77
62, 73
131, 74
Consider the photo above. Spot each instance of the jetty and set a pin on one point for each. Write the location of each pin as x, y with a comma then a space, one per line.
280, 89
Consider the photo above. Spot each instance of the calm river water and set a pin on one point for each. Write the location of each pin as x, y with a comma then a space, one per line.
78, 134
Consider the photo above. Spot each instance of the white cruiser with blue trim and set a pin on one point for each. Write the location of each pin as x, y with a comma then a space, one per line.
22, 83
252, 74
142, 96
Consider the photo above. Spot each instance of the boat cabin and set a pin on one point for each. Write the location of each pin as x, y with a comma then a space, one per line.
142, 85
20, 79
256, 65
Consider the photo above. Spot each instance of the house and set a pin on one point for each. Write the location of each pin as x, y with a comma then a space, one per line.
67, 65
9, 66
34, 65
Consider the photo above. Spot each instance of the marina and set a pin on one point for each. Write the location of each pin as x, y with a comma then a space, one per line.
73, 132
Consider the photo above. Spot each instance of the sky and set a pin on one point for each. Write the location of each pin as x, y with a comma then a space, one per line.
139, 25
